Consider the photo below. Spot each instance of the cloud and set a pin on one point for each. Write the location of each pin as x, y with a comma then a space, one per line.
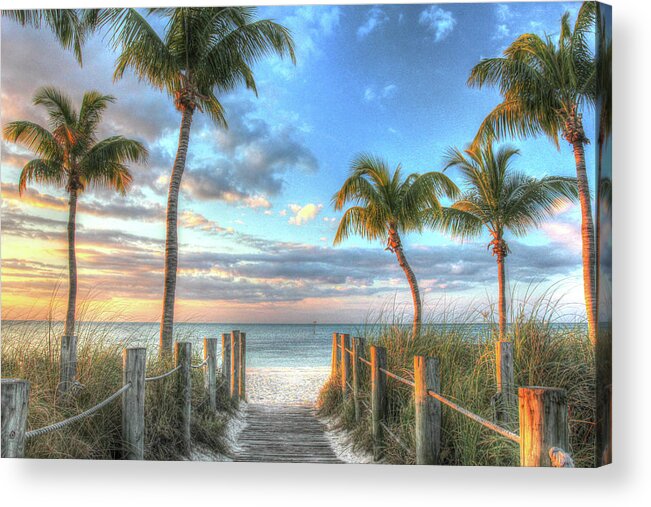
503, 12
192, 220
375, 19
304, 214
246, 163
438, 21
372, 94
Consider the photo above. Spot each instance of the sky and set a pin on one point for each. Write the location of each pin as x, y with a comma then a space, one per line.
256, 219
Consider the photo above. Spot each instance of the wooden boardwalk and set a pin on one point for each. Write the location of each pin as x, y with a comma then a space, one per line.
284, 434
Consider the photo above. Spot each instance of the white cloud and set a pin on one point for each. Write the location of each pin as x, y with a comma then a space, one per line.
375, 18
502, 31
304, 214
503, 12
257, 201
372, 94
438, 21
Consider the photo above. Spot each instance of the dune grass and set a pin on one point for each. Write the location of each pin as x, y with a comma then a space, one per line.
31, 352
545, 354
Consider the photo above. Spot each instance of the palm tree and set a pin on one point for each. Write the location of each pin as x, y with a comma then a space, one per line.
204, 51
70, 156
545, 85
388, 205
71, 27
499, 199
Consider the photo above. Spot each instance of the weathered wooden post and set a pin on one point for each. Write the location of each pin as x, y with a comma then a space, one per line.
67, 364
210, 371
183, 358
358, 348
543, 424
505, 400
235, 366
378, 397
344, 340
134, 362
242, 369
335, 347
226, 358
14, 396
428, 410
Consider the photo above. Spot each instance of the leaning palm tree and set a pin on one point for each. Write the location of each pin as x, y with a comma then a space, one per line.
388, 205
204, 51
499, 199
70, 156
545, 86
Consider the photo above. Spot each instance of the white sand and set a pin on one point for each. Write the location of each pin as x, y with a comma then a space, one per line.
285, 386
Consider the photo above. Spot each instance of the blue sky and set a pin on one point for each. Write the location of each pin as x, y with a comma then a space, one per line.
257, 223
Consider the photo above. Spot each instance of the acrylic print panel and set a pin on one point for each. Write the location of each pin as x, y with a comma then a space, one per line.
353, 234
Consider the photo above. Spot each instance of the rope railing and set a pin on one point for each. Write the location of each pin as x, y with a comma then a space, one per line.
163, 375
470, 415
396, 438
202, 364
78, 417
366, 362
397, 377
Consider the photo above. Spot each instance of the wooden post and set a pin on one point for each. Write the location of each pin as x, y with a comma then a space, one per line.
235, 366
335, 348
344, 340
68, 364
242, 369
226, 358
378, 397
506, 399
183, 357
428, 410
210, 371
543, 424
358, 348
14, 394
134, 362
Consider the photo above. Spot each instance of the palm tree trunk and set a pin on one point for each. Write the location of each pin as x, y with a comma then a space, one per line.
588, 240
502, 295
411, 278
171, 238
69, 329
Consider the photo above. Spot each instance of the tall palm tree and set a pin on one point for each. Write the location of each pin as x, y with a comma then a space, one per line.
71, 27
70, 156
545, 86
388, 205
499, 199
204, 51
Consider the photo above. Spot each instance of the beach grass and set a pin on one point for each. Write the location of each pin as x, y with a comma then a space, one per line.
33, 355
545, 354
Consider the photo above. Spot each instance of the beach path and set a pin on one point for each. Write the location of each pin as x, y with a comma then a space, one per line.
284, 433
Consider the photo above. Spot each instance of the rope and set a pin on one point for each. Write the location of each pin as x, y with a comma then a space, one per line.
151, 379
349, 351
398, 378
491, 426
395, 437
204, 363
364, 360
75, 418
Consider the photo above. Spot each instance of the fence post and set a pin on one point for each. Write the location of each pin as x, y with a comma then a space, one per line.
333, 371
183, 358
14, 394
345, 364
226, 358
505, 400
358, 347
427, 410
210, 371
242, 369
67, 364
378, 397
543, 424
235, 366
134, 362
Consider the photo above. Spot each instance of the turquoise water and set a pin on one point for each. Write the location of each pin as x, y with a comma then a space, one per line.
281, 345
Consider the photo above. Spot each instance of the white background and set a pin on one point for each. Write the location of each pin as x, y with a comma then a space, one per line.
627, 482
